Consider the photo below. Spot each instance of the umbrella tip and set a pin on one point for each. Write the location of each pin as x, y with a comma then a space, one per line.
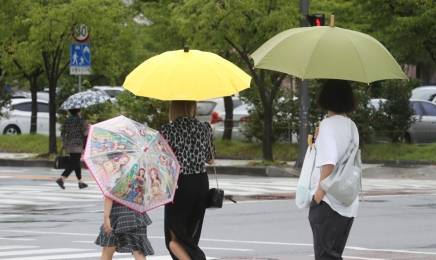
186, 48
332, 21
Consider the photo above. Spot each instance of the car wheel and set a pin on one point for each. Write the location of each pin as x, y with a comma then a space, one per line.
11, 130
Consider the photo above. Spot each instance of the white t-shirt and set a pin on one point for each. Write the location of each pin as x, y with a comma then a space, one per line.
332, 143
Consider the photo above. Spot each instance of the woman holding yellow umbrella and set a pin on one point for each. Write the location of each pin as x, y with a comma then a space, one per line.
185, 77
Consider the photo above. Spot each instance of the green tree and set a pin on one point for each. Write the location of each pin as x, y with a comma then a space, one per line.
234, 30
394, 116
48, 29
21, 57
405, 27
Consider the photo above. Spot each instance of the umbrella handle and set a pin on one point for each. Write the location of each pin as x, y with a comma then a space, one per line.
332, 21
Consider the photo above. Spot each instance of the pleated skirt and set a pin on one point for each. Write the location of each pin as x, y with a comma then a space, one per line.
129, 231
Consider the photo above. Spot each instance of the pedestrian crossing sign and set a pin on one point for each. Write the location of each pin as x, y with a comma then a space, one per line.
80, 59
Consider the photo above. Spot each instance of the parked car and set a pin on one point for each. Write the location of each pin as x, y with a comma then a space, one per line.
19, 116
111, 91
209, 110
425, 93
423, 131
41, 95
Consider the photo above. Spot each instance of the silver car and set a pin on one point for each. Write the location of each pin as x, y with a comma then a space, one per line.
423, 131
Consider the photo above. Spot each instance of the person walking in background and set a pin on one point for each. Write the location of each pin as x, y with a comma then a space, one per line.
73, 133
124, 231
189, 140
329, 219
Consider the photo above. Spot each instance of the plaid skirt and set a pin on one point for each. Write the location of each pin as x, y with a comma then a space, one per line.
129, 231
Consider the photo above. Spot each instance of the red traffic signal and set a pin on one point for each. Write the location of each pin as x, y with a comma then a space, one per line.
316, 19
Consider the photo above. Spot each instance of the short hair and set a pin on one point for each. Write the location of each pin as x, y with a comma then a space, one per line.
182, 108
74, 112
337, 96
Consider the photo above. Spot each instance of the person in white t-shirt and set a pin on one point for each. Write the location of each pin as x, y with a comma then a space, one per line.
329, 219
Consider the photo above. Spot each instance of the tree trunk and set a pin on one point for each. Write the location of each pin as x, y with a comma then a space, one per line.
52, 116
34, 115
228, 121
267, 132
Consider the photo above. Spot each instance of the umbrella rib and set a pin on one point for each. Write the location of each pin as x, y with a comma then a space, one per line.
358, 54
215, 71
115, 151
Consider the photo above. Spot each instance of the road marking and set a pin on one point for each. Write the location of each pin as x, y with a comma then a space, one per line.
230, 249
16, 239
16, 247
44, 251
23, 202
359, 258
7, 171
10, 216
87, 242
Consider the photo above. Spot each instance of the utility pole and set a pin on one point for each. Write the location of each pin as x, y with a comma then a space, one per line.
303, 99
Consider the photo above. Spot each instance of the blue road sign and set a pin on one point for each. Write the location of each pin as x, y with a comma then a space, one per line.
80, 59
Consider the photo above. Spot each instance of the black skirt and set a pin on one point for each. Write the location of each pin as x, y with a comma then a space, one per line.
184, 217
129, 231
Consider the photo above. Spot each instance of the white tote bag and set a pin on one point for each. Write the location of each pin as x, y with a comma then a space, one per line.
302, 196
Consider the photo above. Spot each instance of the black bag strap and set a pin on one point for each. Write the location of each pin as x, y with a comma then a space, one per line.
214, 169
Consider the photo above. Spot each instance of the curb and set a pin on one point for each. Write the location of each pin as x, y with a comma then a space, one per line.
264, 171
366, 161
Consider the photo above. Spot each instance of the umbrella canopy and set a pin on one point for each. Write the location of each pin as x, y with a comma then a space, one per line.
328, 52
186, 75
131, 163
84, 99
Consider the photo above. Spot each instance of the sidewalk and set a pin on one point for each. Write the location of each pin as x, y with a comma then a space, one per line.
397, 170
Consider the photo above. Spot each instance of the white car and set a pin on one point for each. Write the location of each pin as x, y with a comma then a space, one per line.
427, 93
19, 115
211, 109
111, 91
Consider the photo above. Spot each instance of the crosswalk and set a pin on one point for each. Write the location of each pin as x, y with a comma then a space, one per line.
45, 195
23, 252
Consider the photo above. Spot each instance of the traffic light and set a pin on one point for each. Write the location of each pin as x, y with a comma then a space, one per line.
316, 19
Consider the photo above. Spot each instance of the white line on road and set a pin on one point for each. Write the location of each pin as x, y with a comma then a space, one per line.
43, 251
10, 216
16, 239
236, 241
360, 258
15, 247
87, 242
230, 249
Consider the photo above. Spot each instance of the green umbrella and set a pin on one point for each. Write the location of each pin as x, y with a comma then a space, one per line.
328, 52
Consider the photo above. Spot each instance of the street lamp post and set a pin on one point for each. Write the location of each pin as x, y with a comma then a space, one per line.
303, 99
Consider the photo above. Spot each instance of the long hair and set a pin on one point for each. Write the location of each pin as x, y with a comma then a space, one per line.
182, 108
117, 159
150, 172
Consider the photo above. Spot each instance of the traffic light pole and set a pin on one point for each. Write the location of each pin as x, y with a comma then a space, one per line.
303, 99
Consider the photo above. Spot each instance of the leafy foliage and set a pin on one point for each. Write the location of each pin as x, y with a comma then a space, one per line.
234, 30
394, 116
151, 112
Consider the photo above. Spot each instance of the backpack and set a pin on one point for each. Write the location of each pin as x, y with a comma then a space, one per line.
345, 181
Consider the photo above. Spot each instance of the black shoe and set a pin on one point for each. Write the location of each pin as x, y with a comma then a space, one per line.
82, 185
60, 182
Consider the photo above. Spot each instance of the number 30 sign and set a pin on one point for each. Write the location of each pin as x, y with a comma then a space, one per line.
80, 32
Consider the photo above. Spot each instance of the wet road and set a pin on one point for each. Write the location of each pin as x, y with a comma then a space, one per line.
40, 221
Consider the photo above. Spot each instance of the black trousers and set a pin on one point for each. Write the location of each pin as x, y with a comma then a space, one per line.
330, 231
184, 217
74, 166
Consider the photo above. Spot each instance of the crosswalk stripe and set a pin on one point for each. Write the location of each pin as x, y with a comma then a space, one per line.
16, 247
16, 239
43, 251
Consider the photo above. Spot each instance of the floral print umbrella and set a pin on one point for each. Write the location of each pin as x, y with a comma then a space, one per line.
132, 164
84, 99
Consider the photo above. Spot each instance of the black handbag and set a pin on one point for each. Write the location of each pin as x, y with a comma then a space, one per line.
215, 196
62, 160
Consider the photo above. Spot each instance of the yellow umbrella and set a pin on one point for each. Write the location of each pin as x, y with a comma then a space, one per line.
186, 75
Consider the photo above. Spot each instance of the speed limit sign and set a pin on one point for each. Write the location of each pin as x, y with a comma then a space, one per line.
80, 32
